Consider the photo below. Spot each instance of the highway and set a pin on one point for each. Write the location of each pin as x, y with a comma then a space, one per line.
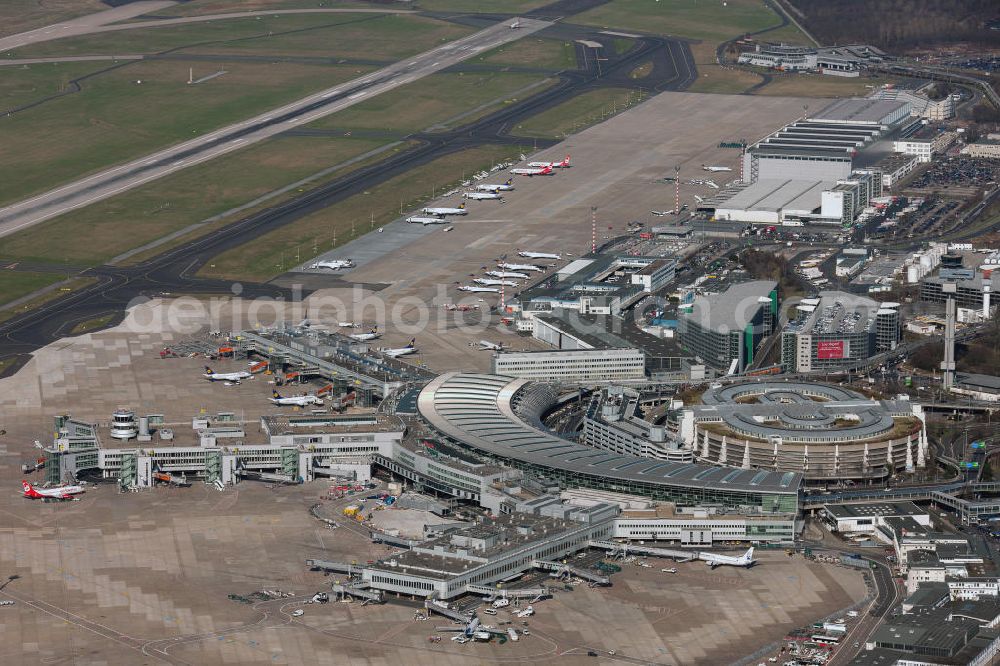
124, 177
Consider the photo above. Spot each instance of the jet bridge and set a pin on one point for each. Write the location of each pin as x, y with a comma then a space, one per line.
442, 608
613, 547
492, 593
359, 590
561, 569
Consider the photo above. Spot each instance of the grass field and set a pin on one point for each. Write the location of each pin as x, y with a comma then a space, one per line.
715, 79
478, 6
694, 19
380, 36
31, 83
92, 324
819, 85
532, 52
70, 285
15, 284
434, 100
578, 113
115, 119
786, 34
202, 7
152, 211
23, 15
276, 252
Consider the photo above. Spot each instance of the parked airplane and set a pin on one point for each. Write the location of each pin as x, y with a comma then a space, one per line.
446, 210
62, 493
214, 376
520, 267
488, 187
555, 165
334, 264
699, 199
485, 282
715, 168
515, 25
365, 337
712, 184
486, 345
480, 290
670, 570
538, 255
297, 400
507, 274
713, 560
402, 351
417, 219
544, 171
483, 196
662, 213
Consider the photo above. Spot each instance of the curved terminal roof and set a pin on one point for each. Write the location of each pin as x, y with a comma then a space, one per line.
788, 410
477, 410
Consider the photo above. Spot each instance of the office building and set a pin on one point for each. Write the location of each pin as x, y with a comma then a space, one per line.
572, 365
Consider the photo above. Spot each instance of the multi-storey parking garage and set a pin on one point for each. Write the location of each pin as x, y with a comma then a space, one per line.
826, 432
500, 417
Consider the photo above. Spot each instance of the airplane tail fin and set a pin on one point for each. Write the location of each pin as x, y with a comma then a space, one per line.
27, 486
209, 371
275, 395
547, 169
461, 205
566, 160
748, 556
413, 342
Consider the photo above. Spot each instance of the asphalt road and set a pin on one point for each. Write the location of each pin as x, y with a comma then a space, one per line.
239, 135
173, 272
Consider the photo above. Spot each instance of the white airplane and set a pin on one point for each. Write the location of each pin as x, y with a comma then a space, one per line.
365, 337
507, 274
544, 171
486, 345
662, 213
713, 560
715, 168
485, 282
699, 199
446, 211
505, 187
347, 324
480, 290
670, 570
62, 493
417, 219
402, 351
521, 267
214, 376
712, 184
515, 25
466, 631
297, 400
334, 264
538, 255
554, 165
483, 196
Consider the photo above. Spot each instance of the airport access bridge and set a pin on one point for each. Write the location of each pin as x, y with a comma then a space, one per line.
955, 496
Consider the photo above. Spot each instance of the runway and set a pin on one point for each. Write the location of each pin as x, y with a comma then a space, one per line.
108, 21
124, 177
174, 271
